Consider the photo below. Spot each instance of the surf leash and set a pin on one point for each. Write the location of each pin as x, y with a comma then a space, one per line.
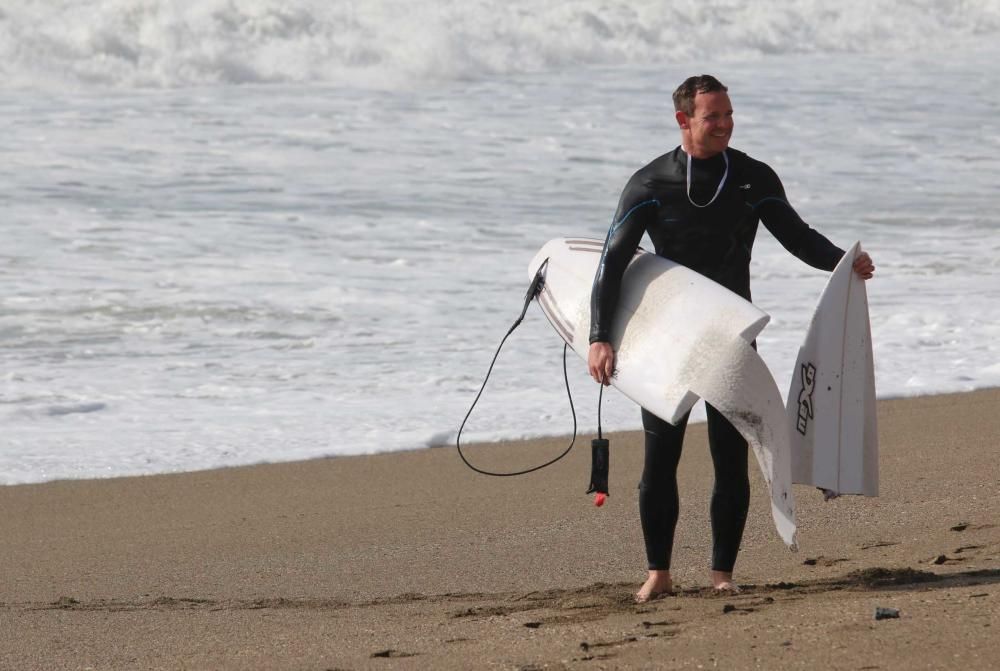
600, 456
599, 446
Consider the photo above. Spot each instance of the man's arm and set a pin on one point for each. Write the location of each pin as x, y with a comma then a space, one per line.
635, 210
798, 237
794, 234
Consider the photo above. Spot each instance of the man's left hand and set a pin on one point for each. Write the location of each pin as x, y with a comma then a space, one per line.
863, 266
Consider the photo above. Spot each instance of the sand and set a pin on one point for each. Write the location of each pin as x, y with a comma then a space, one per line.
410, 560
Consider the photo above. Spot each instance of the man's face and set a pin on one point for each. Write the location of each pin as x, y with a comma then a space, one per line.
709, 128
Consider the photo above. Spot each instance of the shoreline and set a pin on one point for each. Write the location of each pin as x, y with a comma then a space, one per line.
409, 559
582, 437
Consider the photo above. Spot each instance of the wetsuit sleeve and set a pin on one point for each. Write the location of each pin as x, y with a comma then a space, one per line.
794, 234
636, 209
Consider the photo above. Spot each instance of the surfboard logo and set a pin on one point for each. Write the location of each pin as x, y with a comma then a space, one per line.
808, 376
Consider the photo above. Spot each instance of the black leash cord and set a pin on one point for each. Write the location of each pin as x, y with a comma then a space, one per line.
600, 395
536, 286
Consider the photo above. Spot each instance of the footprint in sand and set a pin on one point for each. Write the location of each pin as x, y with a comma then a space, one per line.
945, 559
587, 646
661, 628
966, 548
877, 544
823, 561
393, 654
977, 527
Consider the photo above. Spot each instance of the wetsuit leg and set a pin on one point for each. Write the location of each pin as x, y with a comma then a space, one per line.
658, 500
731, 494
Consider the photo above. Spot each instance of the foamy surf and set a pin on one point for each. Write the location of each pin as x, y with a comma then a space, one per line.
390, 43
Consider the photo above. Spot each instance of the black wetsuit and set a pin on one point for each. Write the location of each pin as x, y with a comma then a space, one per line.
715, 240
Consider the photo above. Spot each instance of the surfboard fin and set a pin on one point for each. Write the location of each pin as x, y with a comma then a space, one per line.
536, 282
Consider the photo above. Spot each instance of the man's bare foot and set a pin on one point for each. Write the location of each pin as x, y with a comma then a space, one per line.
658, 582
722, 581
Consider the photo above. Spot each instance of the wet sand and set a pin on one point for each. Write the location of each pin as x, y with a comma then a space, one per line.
410, 560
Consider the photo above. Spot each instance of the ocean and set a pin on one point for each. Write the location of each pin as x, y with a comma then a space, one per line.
264, 231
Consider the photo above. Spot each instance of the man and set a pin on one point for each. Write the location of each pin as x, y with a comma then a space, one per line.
701, 205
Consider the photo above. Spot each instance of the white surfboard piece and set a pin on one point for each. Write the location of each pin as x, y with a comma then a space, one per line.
741, 387
831, 399
677, 336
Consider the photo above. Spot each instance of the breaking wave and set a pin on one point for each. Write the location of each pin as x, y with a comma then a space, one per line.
388, 43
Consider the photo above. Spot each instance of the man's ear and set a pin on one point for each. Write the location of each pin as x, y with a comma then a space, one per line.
682, 120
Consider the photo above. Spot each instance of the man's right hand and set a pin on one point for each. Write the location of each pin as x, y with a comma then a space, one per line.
601, 361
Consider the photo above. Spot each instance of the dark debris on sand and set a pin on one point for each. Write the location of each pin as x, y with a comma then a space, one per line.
885, 577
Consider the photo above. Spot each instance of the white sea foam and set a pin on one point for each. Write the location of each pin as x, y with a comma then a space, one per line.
388, 43
214, 275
